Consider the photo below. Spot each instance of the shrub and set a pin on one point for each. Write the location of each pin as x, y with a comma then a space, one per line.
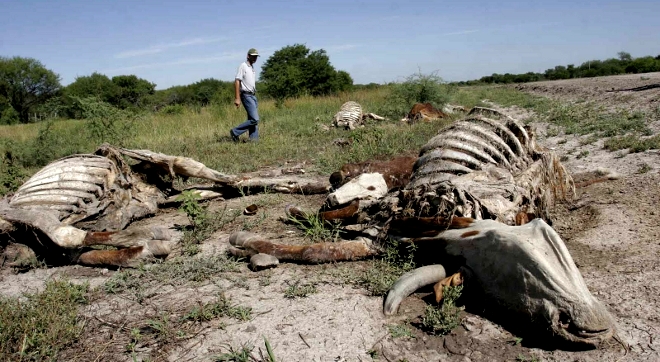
173, 109
9, 116
106, 123
11, 175
417, 88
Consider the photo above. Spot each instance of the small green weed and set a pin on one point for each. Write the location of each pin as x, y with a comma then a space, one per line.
442, 320
516, 341
297, 290
522, 358
177, 271
589, 140
317, 229
633, 142
221, 307
399, 331
552, 132
162, 328
39, 326
242, 354
582, 154
202, 222
265, 280
644, 168
251, 223
396, 260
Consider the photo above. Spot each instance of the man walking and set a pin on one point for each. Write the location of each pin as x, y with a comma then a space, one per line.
245, 89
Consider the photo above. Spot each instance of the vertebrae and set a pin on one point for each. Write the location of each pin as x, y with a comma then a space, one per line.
349, 116
474, 144
69, 185
486, 166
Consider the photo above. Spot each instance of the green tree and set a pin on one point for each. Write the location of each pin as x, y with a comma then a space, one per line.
295, 70
205, 90
25, 83
95, 85
624, 56
132, 91
643, 65
343, 81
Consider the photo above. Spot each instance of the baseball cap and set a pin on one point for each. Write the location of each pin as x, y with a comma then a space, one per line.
253, 51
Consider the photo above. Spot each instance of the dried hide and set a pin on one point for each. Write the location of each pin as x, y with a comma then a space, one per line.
84, 200
471, 184
525, 272
424, 112
396, 171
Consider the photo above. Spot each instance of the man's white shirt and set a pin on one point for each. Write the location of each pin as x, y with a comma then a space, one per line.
246, 75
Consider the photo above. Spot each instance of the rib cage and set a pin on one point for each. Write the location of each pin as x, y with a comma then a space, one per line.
349, 115
473, 144
72, 185
485, 166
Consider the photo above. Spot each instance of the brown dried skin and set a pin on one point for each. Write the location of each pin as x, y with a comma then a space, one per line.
424, 112
396, 172
122, 257
416, 227
247, 244
343, 213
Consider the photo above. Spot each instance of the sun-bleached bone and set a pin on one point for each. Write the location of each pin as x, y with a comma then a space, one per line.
74, 200
471, 195
350, 116
526, 270
366, 185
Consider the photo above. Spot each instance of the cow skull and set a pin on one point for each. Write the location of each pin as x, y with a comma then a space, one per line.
526, 270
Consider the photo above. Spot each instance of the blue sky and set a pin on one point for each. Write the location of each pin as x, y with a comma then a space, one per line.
180, 42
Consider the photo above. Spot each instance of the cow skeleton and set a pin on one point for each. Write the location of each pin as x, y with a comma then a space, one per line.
472, 192
85, 200
350, 116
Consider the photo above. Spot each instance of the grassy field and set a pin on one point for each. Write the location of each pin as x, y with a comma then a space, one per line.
291, 132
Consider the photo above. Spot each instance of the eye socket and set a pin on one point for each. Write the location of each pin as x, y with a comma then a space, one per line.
564, 319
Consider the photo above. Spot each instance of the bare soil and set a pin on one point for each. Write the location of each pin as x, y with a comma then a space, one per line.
612, 229
618, 91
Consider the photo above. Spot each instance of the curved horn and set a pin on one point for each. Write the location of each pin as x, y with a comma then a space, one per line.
409, 282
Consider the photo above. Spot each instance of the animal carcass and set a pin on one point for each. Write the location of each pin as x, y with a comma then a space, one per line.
473, 190
350, 116
424, 112
85, 200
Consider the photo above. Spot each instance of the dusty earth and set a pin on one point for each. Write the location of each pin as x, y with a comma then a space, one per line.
612, 229
632, 92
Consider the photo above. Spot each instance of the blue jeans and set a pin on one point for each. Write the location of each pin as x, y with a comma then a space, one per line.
251, 124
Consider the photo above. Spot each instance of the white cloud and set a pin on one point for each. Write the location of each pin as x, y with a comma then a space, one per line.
183, 61
340, 48
462, 32
162, 47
